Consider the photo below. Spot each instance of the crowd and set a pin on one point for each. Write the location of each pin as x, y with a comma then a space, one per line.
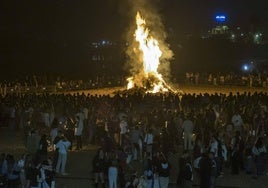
42, 84
216, 131
230, 78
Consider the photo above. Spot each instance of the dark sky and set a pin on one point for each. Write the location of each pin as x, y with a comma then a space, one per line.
47, 30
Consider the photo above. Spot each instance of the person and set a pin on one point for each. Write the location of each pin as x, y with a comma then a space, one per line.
237, 121
149, 174
259, 151
237, 148
30, 172
13, 171
46, 176
185, 177
123, 129
21, 163
204, 170
33, 142
235, 160
188, 127
164, 172
112, 175
135, 135
78, 130
148, 142
98, 164
62, 147
54, 132
3, 169
213, 169
42, 150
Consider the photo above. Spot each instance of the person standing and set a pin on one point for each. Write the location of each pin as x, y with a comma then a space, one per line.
164, 172
237, 121
188, 127
135, 135
112, 175
98, 164
33, 142
42, 150
185, 177
149, 174
259, 152
148, 142
213, 169
79, 125
123, 129
54, 133
62, 145
204, 170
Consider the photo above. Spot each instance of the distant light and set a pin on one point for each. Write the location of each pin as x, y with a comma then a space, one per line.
245, 67
220, 18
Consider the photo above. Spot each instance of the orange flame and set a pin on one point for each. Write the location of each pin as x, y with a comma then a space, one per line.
151, 54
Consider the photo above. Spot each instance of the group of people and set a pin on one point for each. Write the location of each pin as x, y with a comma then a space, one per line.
45, 83
249, 79
26, 172
215, 131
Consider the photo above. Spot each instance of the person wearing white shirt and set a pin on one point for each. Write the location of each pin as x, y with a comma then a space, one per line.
62, 147
237, 122
79, 118
148, 141
188, 127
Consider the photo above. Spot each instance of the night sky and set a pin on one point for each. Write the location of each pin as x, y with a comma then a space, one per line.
50, 32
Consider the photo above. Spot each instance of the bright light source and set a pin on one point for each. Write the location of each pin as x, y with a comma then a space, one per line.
245, 67
220, 18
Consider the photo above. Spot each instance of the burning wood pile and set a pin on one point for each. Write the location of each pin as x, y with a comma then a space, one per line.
148, 79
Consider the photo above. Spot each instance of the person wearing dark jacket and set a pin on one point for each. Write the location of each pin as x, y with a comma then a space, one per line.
42, 150
185, 171
164, 172
204, 169
98, 164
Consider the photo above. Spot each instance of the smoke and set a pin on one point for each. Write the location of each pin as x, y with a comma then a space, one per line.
149, 12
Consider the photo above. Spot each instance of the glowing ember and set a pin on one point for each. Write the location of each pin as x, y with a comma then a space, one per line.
148, 78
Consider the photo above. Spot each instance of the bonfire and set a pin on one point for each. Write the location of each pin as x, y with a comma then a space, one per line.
148, 79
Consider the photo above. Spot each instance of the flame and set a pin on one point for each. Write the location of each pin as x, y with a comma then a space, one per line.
151, 53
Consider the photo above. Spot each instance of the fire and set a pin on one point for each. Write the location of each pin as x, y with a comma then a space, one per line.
148, 78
